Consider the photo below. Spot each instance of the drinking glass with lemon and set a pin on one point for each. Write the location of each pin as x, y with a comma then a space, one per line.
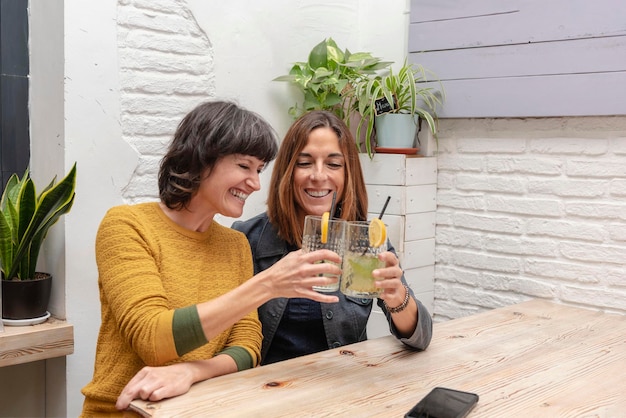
364, 242
321, 232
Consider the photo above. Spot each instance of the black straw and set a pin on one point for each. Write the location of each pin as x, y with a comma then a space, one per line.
382, 212
332, 206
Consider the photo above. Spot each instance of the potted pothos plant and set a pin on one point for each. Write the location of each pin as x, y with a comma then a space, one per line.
327, 74
399, 95
25, 219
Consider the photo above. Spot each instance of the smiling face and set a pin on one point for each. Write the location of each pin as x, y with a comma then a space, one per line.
228, 185
319, 172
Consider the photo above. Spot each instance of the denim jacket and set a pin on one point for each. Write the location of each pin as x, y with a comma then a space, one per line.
344, 322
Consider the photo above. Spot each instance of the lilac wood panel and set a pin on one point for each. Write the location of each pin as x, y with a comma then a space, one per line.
455, 25
562, 95
562, 57
519, 58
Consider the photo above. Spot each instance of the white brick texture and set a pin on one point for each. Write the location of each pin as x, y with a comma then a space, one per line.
538, 212
166, 69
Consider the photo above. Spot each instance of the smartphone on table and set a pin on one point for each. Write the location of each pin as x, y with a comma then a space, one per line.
444, 403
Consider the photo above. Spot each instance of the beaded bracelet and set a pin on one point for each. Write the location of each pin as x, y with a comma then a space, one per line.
403, 305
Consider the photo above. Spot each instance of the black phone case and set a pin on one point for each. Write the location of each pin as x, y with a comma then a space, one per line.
444, 403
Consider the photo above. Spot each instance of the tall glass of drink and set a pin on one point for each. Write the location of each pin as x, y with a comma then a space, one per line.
315, 238
359, 260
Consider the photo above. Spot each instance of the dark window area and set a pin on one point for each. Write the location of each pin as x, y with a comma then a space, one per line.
14, 69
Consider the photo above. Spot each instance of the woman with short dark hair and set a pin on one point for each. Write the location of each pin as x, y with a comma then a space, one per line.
209, 133
178, 296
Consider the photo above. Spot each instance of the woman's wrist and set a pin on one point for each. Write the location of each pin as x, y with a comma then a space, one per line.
403, 305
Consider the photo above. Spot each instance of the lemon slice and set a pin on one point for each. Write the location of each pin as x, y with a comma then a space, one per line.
377, 233
325, 218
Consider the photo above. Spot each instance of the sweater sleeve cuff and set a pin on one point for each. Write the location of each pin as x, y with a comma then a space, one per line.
187, 330
242, 358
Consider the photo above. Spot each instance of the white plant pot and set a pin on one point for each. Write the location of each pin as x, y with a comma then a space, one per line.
394, 130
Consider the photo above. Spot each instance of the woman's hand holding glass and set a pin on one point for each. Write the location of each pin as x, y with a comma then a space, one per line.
389, 279
296, 274
394, 293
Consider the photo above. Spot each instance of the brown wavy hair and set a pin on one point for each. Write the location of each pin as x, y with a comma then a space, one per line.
208, 133
282, 209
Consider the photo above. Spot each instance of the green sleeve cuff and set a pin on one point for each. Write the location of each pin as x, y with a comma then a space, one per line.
242, 358
187, 330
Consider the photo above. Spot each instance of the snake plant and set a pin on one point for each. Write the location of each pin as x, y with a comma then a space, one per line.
25, 219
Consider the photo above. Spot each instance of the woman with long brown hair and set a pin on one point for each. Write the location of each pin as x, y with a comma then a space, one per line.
317, 159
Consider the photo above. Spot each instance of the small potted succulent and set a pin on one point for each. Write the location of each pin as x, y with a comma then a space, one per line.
396, 98
25, 219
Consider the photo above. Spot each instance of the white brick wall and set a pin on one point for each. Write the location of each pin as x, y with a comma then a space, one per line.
166, 69
530, 208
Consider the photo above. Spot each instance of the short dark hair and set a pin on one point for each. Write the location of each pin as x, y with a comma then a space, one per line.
208, 133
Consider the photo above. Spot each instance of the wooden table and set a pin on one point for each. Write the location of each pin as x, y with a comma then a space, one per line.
534, 359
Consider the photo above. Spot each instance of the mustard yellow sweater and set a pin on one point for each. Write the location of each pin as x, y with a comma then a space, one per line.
152, 273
